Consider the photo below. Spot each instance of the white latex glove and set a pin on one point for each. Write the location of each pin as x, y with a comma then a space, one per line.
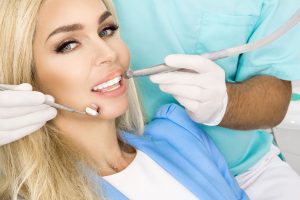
202, 92
22, 112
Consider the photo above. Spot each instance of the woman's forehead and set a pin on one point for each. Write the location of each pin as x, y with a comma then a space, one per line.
56, 13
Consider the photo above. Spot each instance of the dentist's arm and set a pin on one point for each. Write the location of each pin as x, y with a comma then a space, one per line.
260, 102
22, 112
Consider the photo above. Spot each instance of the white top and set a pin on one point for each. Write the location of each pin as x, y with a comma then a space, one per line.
144, 179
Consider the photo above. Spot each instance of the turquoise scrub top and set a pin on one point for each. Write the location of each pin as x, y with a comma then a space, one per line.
153, 29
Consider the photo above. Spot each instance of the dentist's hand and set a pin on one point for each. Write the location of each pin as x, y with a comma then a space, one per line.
203, 92
22, 112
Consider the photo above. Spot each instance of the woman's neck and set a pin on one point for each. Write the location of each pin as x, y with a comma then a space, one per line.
98, 140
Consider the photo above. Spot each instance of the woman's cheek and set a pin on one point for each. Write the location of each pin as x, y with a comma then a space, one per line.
56, 79
123, 53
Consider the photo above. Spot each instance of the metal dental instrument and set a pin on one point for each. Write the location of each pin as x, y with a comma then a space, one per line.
55, 105
63, 107
162, 68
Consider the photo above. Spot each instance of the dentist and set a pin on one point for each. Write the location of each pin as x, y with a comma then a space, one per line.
232, 99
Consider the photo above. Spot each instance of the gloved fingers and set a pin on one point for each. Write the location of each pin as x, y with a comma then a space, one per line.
11, 98
194, 106
199, 112
10, 112
22, 87
189, 104
190, 92
201, 117
50, 98
14, 135
174, 77
205, 80
192, 62
29, 119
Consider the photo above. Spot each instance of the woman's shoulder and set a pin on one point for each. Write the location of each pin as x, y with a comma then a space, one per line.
172, 127
171, 120
171, 111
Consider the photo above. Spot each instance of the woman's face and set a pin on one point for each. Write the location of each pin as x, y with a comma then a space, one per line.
76, 50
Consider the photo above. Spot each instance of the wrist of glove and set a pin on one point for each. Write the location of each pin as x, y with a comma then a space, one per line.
199, 86
214, 119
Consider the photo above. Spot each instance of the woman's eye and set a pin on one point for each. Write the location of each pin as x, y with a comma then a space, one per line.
108, 31
66, 47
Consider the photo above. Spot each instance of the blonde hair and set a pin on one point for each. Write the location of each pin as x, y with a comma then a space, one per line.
43, 165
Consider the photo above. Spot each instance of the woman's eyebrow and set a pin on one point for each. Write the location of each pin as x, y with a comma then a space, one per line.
68, 28
104, 16
76, 27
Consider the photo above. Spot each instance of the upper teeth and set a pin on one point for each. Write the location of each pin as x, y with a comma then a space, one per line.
108, 83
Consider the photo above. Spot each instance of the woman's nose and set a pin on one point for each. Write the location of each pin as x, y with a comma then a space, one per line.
104, 54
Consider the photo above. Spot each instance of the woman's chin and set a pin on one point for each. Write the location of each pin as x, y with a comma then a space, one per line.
112, 112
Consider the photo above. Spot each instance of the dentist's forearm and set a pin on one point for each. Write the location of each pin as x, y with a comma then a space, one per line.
258, 103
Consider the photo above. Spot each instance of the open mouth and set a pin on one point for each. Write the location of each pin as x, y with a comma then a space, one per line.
108, 86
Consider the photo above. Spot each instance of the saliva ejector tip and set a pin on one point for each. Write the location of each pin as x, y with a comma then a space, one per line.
92, 110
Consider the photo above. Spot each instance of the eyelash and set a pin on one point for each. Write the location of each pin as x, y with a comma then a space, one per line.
112, 27
62, 47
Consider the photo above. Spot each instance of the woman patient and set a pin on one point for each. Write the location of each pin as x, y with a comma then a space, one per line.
71, 49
